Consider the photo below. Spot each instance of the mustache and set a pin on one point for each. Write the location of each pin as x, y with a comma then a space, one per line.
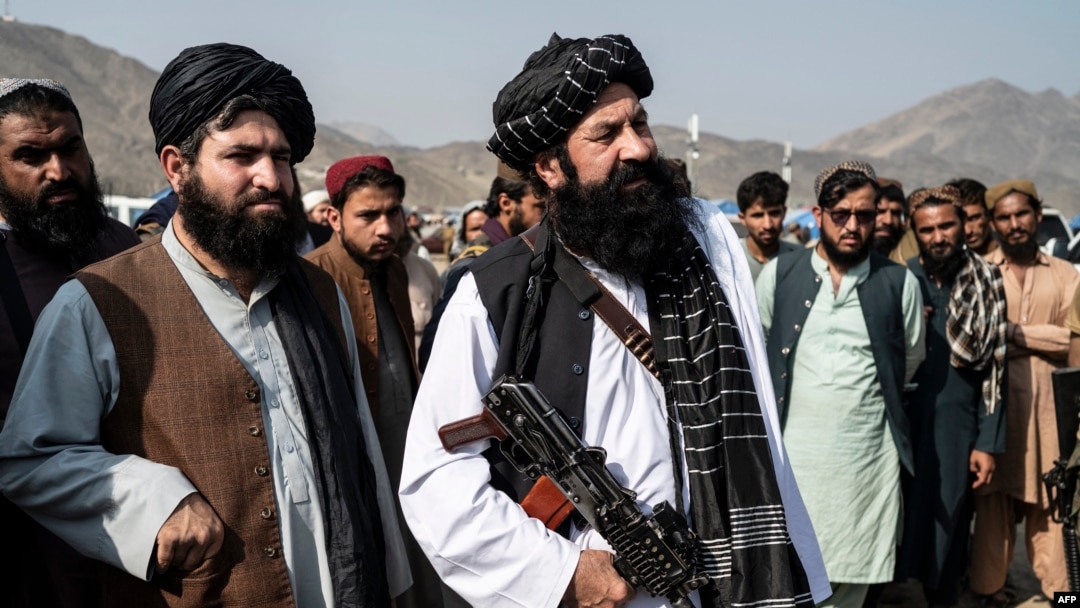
259, 197
630, 170
53, 188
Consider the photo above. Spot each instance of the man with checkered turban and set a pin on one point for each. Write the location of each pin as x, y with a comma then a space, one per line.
572, 121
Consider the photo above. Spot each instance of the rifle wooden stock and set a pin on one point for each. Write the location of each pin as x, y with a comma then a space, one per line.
545, 501
467, 430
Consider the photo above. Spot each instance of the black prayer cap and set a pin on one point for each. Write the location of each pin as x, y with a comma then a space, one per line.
557, 85
195, 87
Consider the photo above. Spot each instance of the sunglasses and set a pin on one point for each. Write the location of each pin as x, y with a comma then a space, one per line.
840, 217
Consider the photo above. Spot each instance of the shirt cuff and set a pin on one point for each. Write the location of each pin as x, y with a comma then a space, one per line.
144, 496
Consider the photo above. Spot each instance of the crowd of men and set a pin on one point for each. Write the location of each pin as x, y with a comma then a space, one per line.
246, 406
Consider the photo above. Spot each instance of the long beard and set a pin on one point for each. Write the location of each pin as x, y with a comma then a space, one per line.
71, 229
632, 234
844, 258
885, 244
943, 268
265, 243
1020, 252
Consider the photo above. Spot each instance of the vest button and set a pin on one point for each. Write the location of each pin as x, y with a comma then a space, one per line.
574, 422
577, 369
584, 315
252, 394
261, 471
783, 376
270, 552
267, 513
798, 327
255, 431
780, 401
808, 303
785, 350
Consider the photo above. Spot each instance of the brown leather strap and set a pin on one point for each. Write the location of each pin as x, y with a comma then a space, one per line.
626, 327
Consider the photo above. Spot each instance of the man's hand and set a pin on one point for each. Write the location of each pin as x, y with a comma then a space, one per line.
596, 584
982, 464
191, 535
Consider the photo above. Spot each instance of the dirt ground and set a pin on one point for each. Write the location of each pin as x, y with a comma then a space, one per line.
1021, 582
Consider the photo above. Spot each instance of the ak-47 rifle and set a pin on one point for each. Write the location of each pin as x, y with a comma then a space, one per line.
656, 552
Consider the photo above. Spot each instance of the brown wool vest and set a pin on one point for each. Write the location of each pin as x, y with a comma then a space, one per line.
187, 402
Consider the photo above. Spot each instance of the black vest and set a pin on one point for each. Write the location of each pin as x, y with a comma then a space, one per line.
559, 361
880, 297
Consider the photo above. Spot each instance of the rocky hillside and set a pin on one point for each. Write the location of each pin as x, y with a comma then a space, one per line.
990, 130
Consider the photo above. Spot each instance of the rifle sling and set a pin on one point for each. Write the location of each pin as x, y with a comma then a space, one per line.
590, 292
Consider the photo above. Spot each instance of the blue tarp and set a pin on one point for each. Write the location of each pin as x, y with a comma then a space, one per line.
728, 207
803, 217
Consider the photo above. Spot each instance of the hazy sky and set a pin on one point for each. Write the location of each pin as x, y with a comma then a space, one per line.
426, 71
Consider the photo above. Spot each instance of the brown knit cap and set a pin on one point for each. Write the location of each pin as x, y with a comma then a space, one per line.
943, 194
857, 166
1000, 191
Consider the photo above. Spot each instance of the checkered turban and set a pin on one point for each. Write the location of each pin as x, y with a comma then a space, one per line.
857, 166
556, 87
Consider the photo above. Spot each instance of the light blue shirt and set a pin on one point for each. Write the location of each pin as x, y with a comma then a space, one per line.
110, 507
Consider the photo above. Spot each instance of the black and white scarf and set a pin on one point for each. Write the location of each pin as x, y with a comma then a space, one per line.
735, 501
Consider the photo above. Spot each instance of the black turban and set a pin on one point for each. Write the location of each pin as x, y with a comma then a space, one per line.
195, 87
558, 85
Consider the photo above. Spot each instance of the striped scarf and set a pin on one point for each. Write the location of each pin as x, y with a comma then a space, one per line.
736, 507
976, 323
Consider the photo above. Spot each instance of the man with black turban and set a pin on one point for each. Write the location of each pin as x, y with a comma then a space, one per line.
190, 412
617, 236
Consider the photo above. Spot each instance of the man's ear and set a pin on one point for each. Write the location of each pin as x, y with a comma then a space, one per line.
506, 204
549, 170
333, 216
172, 163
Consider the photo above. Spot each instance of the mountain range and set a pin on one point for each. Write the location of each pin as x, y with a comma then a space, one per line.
988, 130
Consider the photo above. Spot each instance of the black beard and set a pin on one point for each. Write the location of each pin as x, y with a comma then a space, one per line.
632, 234
517, 222
265, 244
844, 258
885, 245
945, 268
1021, 252
70, 229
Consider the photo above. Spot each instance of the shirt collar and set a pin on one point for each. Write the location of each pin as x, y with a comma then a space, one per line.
997, 257
183, 258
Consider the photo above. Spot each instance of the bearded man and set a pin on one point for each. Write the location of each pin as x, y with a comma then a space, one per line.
889, 225
52, 223
957, 420
208, 443
1039, 290
676, 265
845, 333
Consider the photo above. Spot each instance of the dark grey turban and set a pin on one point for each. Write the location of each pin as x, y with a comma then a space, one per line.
195, 87
558, 85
